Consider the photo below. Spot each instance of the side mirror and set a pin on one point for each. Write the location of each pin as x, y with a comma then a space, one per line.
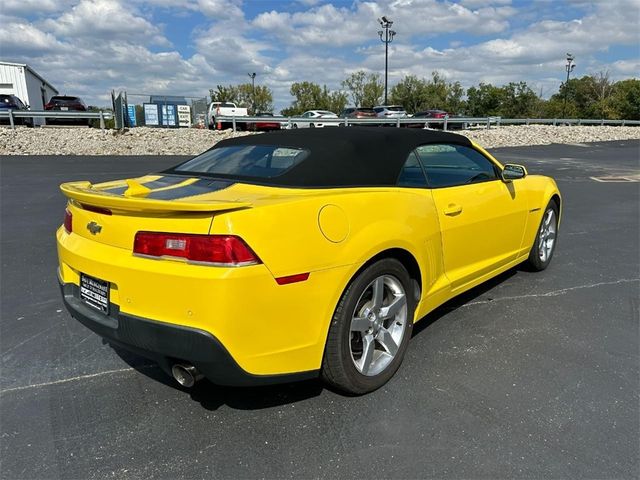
512, 172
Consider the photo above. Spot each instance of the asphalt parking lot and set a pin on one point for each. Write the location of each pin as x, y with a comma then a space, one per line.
533, 375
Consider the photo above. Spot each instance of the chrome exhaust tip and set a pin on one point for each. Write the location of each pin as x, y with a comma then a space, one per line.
186, 375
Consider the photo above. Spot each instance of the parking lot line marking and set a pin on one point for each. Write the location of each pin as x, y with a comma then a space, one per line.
614, 179
79, 377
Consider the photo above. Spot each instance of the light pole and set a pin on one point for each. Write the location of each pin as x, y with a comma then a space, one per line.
253, 90
388, 35
569, 68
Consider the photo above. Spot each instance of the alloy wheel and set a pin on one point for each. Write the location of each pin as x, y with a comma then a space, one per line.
378, 325
547, 238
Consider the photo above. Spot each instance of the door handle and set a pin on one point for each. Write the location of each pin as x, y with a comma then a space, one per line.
453, 209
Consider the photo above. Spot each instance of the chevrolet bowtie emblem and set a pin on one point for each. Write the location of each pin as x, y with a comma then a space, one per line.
94, 228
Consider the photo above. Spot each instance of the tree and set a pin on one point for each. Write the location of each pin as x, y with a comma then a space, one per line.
602, 90
311, 96
416, 94
242, 96
514, 100
224, 94
483, 100
518, 101
626, 99
365, 89
263, 101
334, 101
454, 101
409, 92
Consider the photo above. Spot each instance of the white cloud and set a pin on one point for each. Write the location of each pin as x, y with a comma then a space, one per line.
217, 9
483, 3
221, 9
19, 39
104, 19
624, 68
24, 7
338, 26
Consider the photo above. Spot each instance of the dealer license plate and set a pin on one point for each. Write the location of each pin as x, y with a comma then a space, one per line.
95, 293
64, 108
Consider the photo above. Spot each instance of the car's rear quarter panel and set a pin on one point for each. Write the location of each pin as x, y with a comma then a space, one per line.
288, 239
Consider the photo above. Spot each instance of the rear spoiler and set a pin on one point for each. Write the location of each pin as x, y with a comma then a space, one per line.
84, 192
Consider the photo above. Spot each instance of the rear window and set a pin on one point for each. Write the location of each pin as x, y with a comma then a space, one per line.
395, 109
366, 110
65, 100
256, 161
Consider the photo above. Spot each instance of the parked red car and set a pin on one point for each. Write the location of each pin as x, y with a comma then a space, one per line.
264, 126
358, 112
440, 114
66, 103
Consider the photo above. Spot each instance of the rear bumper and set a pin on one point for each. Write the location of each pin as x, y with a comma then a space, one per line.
168, 344
266, 328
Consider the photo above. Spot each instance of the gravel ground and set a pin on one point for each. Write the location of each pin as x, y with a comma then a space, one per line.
156, 141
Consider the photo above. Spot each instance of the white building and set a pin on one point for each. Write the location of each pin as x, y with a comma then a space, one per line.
22, 81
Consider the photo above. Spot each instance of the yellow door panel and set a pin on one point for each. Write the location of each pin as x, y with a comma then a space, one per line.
482, 226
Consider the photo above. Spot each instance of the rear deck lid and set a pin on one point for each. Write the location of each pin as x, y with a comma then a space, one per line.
111, 213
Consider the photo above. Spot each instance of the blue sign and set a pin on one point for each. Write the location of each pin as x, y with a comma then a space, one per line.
169, 115
131, 110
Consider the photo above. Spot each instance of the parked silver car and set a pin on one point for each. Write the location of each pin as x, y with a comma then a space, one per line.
317, 116
390, 111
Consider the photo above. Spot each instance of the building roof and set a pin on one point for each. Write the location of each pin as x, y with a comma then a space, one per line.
343, 157
168, 99
33, 72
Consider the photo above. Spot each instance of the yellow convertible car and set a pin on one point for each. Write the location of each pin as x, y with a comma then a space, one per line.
297, 254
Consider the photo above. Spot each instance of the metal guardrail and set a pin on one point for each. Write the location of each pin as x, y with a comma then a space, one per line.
290, 122
13, 114
486, 122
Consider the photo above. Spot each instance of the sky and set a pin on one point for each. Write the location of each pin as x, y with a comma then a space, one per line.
185, 47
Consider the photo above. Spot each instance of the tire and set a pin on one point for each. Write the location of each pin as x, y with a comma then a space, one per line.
311, 125
365, 347
546, 239
295, 125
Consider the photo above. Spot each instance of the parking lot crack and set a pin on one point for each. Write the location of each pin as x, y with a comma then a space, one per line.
72, 379
553, 293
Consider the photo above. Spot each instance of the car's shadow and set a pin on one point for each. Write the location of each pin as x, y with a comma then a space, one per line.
465, 298
212, 397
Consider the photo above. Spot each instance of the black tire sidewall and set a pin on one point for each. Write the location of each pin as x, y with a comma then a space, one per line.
357, 382
534, 256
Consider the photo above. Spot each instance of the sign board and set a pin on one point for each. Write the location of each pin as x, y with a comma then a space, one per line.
169, 115
151, 114
184, 115
131, 110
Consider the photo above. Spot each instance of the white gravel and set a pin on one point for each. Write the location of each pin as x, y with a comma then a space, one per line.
157, 141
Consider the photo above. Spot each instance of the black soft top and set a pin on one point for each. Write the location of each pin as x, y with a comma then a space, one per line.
342, 157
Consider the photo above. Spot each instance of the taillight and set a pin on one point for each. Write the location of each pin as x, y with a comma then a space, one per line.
48, 106
222, 250
68, 221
